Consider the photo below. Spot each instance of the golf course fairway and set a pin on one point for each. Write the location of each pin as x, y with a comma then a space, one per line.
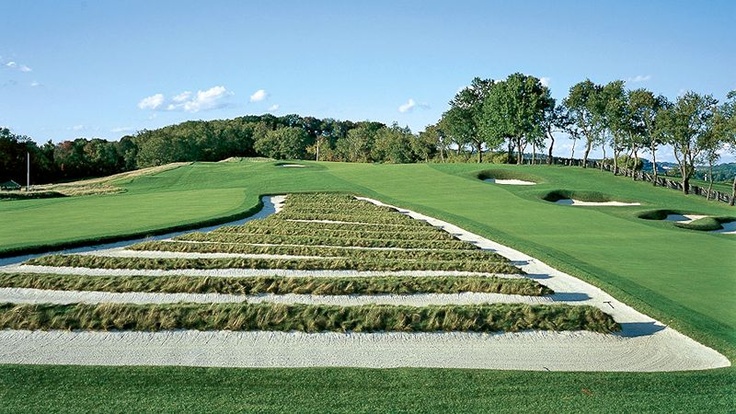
683, 278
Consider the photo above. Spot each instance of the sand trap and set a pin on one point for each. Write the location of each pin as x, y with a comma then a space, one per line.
728, 228
509, 182
683, 218
292, 166
643, 345
572, 202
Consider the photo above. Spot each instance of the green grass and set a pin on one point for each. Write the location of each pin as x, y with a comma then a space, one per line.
684, 278
373, 285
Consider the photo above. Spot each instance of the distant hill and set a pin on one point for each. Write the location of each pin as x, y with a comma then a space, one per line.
721, 172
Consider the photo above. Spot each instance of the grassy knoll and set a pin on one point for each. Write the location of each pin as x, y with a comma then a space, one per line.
264, 316
683, 277
373, 285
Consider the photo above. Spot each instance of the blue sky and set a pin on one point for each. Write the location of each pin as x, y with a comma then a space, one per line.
95, 68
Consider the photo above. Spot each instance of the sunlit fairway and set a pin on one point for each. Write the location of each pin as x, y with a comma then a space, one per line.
684, 278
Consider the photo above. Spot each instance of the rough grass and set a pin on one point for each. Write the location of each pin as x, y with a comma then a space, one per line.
591, 196
374, 285
324, 251
326, 241
136, 263
306, 318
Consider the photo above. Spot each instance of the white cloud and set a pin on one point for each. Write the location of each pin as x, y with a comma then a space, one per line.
639, 78
407, 107
16, 66
182, 97
258, 95
273, 108
77, 127
212, 98
152, 102
410, 105
35, 83
544, 81
209, 99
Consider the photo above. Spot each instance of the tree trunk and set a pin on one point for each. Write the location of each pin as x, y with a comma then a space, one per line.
710, 180
480, 152
733, 192
549, 153
587, 151
654, 164
685, 180
520, 151
603, 161
534, 153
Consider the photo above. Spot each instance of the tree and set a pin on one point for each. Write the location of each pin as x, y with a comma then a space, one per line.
583, 104
686, 127
616, 119
643, 107
286, 143
555, 119
514, 109
394, 145
462, 122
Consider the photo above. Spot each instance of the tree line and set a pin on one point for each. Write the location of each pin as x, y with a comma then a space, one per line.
518, 113
285, 137
504, 118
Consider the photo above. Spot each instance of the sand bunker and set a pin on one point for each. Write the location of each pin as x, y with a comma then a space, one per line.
728, 228
573, 202
291, 166
508, 182
683, 218
643, 345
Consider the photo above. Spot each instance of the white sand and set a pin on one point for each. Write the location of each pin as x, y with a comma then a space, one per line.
573, 202
728, 228
291, 166
509, 182
644, 344
682, 218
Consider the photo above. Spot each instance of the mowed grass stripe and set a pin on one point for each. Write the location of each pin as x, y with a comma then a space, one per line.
305, 250
374, 285
307, 318
137, 263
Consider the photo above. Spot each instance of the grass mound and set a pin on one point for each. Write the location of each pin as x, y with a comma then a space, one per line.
503, 174
706, 223
22, 195
374, 285
307, 318
658, 214
589, 196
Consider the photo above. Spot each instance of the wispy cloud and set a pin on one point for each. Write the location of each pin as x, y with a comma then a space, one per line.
77, 127
258, 95
16, 66
544, 81
410, 105
122, 129
35, 84
273, 108
212, 98
639, 78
